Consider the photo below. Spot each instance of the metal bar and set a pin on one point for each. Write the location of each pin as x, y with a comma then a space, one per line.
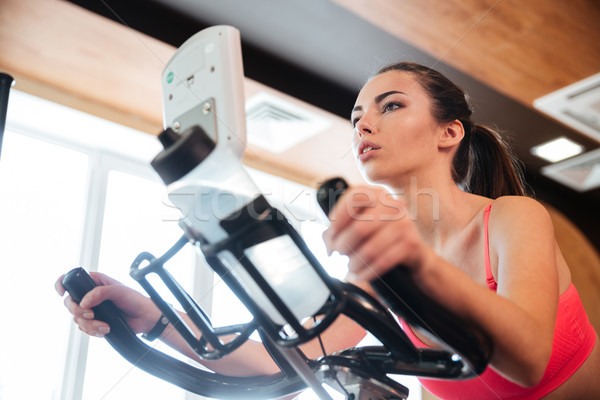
294, 357
6, 81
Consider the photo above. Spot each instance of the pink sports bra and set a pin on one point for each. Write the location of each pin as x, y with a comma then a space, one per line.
574, 339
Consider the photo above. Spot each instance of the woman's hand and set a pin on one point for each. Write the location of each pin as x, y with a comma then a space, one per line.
375, 231
138, 310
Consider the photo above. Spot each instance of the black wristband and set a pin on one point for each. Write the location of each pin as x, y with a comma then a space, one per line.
158, 329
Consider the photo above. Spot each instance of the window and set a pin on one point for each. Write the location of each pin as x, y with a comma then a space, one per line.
133, 222
42, 188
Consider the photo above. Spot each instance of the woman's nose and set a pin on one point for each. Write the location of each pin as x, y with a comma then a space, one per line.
364, 127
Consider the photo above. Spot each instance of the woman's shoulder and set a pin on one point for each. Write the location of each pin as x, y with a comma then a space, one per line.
517, 204
512, 212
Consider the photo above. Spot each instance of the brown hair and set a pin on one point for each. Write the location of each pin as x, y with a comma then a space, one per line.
483, 163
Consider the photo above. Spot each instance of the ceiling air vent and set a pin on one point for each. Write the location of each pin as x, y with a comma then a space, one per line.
577, 106
581, 173
277, 125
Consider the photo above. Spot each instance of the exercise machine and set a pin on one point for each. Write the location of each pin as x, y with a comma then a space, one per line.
266, 263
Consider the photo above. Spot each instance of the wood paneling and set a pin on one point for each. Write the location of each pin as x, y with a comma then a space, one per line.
523, 49
66, 54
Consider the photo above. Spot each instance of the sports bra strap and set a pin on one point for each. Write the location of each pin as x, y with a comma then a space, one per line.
489, 277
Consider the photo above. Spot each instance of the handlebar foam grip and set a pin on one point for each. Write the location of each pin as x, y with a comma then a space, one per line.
78, 283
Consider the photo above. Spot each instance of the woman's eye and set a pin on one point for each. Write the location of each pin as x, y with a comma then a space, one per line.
391, 106
355, 121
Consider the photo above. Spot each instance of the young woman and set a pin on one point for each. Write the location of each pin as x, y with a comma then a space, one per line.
485, 251
460, 222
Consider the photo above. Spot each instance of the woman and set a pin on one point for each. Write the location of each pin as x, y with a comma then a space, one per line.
486, 252
493, 247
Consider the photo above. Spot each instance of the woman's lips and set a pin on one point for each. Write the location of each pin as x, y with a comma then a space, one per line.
366, 150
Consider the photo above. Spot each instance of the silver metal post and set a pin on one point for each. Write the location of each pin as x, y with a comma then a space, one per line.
295, 359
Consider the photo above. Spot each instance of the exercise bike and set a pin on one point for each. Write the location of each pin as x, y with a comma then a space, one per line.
266, 263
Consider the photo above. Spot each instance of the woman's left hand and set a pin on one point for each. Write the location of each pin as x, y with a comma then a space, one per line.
375, 231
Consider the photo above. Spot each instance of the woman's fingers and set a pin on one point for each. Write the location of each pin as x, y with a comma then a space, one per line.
95, 296
103, 280
98, 277
350, 240
92, 327
59, 287
84, 318
351, 207
138, 310
374, 230
372, 252
83, 315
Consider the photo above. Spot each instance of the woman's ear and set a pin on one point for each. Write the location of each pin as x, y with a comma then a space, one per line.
451, 135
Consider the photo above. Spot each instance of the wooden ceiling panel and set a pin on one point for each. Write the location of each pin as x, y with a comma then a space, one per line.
523, 49
69, 55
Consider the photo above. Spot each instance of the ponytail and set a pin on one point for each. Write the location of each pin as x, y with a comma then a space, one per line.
493, 170
483, 163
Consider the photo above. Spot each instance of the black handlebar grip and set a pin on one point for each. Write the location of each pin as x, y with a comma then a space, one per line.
78, 283
329, 193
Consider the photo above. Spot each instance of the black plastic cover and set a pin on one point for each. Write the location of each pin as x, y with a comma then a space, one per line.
182, 153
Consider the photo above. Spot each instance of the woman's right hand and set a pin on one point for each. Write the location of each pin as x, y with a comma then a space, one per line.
138, 310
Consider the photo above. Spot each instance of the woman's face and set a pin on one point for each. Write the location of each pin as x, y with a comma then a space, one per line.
394, 132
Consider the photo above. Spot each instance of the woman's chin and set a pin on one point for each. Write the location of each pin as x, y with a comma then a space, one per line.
374, 177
